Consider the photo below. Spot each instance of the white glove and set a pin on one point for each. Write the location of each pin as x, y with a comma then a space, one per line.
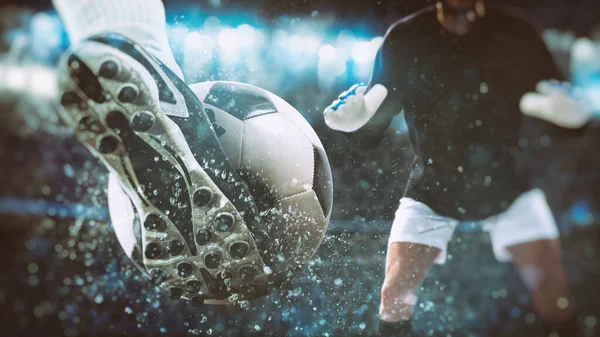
354, 109
557, 103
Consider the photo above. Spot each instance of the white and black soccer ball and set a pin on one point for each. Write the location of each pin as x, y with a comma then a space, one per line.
280, 157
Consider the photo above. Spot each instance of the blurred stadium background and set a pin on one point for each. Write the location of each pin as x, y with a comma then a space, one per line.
63, 272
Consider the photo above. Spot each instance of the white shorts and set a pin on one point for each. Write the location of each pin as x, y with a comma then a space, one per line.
528, 219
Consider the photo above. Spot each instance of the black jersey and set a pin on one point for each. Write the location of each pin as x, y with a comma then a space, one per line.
460, 96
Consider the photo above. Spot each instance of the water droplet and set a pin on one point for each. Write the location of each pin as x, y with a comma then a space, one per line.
483, 88
590, 321
530, 318
99, 299
562, 303
32, 268
68, 170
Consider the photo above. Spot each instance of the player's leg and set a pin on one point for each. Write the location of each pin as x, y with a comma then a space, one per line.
539, 264
527, 235
150, 130
419, 238
406, 266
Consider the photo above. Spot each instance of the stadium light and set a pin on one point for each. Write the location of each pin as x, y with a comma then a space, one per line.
328, 53
198, 45
43, 82
228, 40
346, 36
592, 94
42, 22
306, 45
362, 52
178, 33
260, 38
280, 38
376, 42
34, 80
212, 22
192, 40
215, 3
313, 43
246, 35
583, 49
15, 78
45, 35
296, 44
331, 64
198, 51
585, 62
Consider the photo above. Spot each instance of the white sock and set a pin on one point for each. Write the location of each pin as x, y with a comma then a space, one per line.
143, 21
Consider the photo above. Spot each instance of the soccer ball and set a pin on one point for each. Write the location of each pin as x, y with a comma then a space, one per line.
278, 155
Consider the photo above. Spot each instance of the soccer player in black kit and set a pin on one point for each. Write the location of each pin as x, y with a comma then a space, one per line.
459, 70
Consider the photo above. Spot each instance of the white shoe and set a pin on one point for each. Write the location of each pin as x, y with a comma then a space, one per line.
151, 131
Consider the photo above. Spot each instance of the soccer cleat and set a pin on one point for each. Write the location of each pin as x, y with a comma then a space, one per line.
146, 125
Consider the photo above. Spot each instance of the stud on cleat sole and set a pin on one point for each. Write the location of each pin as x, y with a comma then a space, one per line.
90, 124
193, 286
161, 167
202, 197
175, 293
142, 121
185, 269
203, 237
108, 144
115, 120
175, 247
128, 93
70, 98
109, 69
153, 251
239, 250
212, 260
163, 176
224, 222
86, 80
154, 223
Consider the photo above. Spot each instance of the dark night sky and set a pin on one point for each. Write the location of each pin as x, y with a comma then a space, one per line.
578, 15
